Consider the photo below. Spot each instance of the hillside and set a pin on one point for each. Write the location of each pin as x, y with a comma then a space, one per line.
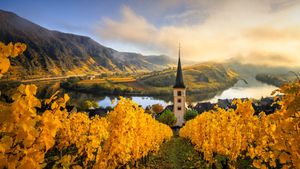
205, 80
272, 75
161, 60
196, 77
277, 79
53, 53
252, 70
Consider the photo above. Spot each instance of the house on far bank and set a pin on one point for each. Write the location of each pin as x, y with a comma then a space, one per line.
225, 104
204, 107
91, 77
267, 105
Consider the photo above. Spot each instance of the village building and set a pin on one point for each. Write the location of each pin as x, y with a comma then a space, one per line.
179, 95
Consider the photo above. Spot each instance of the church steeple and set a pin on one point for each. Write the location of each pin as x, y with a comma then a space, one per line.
179, 77
179, 95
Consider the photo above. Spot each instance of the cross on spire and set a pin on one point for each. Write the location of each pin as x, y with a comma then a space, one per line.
179, 49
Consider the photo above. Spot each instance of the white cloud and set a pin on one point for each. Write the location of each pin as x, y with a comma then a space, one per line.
189, 17
256, 31
133, 28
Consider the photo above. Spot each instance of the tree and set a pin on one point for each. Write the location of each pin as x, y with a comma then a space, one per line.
88, 104
109, 108
157, 108
73, 80
190, 114
167, 117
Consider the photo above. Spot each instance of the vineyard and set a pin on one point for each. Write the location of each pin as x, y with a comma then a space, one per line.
43, 134
51, 137
271, 141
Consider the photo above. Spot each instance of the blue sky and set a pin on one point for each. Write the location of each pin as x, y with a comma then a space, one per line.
77, 16
82, 16
208, 30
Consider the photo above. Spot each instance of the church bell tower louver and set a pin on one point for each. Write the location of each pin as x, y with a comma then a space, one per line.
179, 94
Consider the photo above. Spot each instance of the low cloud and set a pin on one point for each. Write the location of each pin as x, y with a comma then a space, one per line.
131, 28
264, 32
264, 58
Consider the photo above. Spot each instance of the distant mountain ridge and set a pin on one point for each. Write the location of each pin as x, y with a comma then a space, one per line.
56, 53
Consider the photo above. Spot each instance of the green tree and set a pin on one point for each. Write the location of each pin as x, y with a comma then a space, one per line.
167, 117
88, 104
190, 114
73, 80
109, 108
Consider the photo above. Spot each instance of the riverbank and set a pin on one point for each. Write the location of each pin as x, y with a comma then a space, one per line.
277, 79
139, 88
270, 79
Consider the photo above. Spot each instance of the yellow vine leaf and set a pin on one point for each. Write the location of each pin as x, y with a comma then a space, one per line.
7, 51
265, 138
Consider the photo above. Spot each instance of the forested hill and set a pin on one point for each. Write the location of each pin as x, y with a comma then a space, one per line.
56, 53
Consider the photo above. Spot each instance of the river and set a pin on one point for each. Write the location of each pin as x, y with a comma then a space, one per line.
254, 89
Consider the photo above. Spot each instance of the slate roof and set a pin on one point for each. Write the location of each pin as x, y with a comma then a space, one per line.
179, 77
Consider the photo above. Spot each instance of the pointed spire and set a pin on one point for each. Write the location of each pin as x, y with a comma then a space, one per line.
179, 50
179, 77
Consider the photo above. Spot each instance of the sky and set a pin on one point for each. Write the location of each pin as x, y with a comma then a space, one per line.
257, 31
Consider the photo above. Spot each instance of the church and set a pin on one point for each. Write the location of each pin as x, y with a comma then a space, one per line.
179, 95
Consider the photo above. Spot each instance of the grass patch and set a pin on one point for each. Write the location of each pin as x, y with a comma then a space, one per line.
178, 153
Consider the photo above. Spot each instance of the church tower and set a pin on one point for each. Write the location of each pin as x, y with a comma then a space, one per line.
179, 94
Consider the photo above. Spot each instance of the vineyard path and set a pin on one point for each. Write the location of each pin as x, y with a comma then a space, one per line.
177, 153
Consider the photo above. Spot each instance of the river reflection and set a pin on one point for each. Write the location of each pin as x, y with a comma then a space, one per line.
143, 101
254, 89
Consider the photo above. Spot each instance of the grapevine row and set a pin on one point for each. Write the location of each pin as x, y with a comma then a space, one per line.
269, 140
